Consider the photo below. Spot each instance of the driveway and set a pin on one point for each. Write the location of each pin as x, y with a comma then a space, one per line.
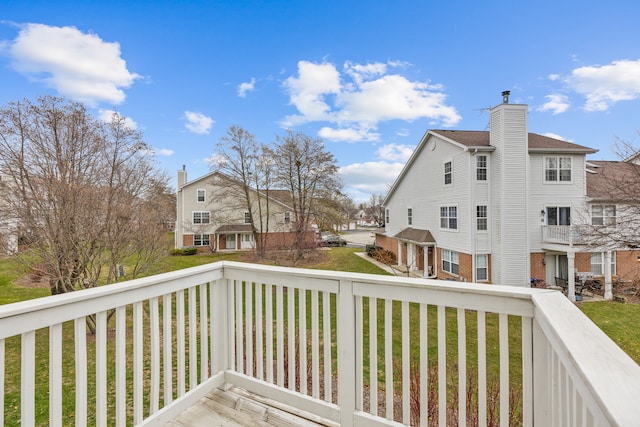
359, 237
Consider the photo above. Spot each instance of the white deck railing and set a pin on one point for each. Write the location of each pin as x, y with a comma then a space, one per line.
429, 351
565, 234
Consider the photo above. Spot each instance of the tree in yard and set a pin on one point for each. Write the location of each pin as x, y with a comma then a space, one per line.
374, 209
308, 171
85, 192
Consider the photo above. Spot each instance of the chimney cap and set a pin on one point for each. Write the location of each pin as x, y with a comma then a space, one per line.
505, 96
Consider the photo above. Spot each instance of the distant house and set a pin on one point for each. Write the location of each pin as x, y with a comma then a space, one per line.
8, 221
212, 213
502, 206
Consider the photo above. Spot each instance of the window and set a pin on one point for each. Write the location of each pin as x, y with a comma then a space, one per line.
287, 217
597, 263
201, 217
201, 196
481, 168
247, 237
558, 216
409, 216
449, 217
603, 215
387, 216
448, 176
481, 217
557, 169
482, 269
247, 218
201, 240
450, 262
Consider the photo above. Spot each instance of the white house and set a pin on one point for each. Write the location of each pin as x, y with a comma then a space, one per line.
500, 206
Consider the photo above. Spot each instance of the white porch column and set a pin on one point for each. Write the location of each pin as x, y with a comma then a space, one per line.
425, 256
399, 252
571, 281
411, 257
608, 288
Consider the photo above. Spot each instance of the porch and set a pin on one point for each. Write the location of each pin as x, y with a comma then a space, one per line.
311, 340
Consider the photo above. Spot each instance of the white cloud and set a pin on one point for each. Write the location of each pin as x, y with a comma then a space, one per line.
164, 152
403, 132
605, 85
556, 103
371, 95
198, 122
554, 77
556, 136
364, 179
107, 115
348, 134
245, 87
77, 65
395, 152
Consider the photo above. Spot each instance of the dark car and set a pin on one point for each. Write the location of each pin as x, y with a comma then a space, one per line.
333, 240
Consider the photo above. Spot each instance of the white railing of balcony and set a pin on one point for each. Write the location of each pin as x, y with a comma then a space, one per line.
565, 234
310, 339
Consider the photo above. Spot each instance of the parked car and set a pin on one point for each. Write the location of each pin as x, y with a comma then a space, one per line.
333, 240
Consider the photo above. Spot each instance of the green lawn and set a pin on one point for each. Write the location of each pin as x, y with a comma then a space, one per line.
619, 321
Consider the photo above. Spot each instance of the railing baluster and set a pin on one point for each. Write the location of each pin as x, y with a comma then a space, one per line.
504, 369
204, 334
388, 357
248, 326
193, 339
462, 368
239, 329
80, 335
121, 366
424, 365
373, 356
315, 351
527, 372
482, 369
280, 335
291, 338
326, 335
27, 379
55, 375
167, 353
406, 381
154, 319
302, 316
101, 368
180, 343
2, 361
138, 362
259, 332
442, 367
268, 292
359, 353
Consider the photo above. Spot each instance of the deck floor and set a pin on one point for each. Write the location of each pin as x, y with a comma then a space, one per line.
237, 407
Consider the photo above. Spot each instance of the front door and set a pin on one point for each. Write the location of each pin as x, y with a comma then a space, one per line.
231, 241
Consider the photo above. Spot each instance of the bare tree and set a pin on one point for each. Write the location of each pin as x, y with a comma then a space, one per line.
83, 192
375, 210
308, 171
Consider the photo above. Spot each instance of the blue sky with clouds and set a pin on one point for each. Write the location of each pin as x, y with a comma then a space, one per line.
368, 77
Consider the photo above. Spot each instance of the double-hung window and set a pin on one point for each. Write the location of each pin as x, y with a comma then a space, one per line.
598, 263
201, 217
557, 169
247, 218
201, 240
409, 216
449, 217
287, 217
450, 261
481, 218
387, 216
481, 168
603, 215
201, 196
482, 267
448, 173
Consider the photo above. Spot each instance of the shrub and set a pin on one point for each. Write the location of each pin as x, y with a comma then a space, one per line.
184, 251
385, 256
372, 249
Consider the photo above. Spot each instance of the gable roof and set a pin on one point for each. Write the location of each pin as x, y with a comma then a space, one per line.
415, 235
472, 139
614, 181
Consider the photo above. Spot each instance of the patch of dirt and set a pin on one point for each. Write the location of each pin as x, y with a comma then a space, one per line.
32, 281
285, 258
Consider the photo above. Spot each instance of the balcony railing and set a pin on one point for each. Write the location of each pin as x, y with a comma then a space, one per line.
354, 349
565, 234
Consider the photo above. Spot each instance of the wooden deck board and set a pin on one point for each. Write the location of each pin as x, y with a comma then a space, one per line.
237, 408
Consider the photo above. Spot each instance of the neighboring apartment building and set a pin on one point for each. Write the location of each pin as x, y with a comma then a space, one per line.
501, 206
8, 221
212, 213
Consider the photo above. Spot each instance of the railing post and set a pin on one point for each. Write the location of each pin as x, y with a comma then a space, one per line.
220, 327
541, 389
346, 332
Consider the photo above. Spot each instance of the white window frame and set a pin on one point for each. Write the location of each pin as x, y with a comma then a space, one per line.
555, 167
200, 191
201, 216
448, 173
247, 237
597, 263
451, 262
603, 214
287, 217
482, 268
203, 239
482, 170
387, 216
247, 217
482, 222
558, 214
409, 216
449, 221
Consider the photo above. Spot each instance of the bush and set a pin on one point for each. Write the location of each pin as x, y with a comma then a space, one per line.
384, 256
371, 249
184, 251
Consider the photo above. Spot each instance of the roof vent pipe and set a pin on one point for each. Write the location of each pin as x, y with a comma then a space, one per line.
505, 96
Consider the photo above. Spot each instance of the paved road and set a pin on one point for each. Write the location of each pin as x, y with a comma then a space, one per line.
359, 237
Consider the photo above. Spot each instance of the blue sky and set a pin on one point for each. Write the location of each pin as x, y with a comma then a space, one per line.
369, 77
